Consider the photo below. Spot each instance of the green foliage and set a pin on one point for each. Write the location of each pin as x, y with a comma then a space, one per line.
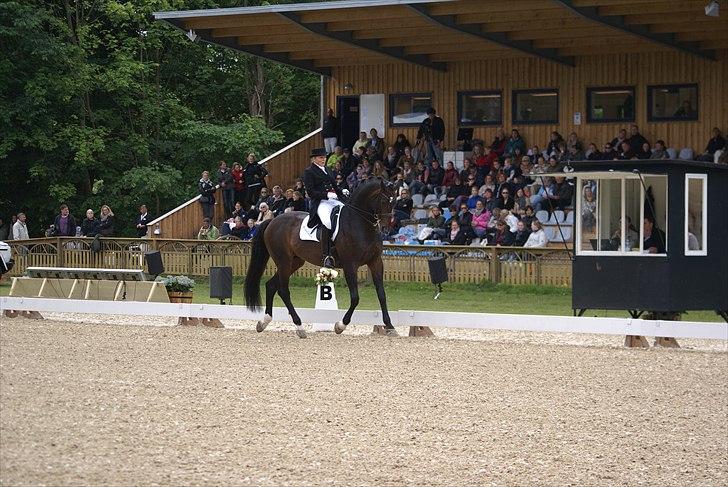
178, 284
100, 104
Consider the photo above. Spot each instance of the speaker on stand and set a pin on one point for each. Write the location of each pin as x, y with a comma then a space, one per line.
154, 263
221, 283
438, 271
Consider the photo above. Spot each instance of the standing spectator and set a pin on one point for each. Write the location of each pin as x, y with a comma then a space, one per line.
89, 225
553, 146
106, 222
254, 179
635, 138
361, 143
227, 184
207, 195
20, 228
208, 231
515, 142
330, 131
538, 237
4, 230
239, 182
65, 224
717, 142
432, 130
142, 221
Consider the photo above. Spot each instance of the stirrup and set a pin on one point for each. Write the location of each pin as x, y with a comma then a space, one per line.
329, 262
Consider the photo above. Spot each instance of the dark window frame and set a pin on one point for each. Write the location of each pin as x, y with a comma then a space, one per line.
392, 96
652, 118
460, 94
514, 102
592, 89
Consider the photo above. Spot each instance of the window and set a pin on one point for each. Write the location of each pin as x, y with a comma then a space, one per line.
613, 215
672, 102
535, 106
408, 108
696, 214
614, 104
480, 107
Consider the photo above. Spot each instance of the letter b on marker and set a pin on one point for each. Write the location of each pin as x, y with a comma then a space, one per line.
326, 293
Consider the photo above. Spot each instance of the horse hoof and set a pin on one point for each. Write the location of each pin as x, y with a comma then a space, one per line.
339, 327
262, 324
391, 332
301, 334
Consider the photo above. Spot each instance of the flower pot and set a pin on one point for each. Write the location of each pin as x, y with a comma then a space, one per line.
180, 297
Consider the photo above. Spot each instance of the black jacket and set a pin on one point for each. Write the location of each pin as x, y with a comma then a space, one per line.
89, 228
432, 129
520, 238
330, 127
714, 144
254, 174
225, 179
106, 227
318, 183
207, 191
143, 220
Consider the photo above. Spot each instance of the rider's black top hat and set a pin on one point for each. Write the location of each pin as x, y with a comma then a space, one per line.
318, 152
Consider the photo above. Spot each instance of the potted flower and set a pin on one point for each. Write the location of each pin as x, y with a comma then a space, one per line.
179, 288
326, 275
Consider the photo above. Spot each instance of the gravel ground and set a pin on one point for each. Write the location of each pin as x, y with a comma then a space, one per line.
87, 401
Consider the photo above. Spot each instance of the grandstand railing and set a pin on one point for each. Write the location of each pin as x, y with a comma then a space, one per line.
284, 166
402, 263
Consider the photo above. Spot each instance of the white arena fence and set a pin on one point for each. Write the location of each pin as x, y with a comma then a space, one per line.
480, 321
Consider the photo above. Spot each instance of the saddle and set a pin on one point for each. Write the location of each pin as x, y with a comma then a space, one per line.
328, 212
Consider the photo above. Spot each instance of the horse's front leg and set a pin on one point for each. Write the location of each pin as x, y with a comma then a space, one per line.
377, 270
350, 275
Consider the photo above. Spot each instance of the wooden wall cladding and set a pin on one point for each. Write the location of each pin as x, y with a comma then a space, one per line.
639, 69
285, 168
187, 220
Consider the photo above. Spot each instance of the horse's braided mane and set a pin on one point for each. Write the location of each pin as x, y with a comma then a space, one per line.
362, 192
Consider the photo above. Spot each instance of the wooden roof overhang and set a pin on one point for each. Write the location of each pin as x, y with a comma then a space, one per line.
431, 33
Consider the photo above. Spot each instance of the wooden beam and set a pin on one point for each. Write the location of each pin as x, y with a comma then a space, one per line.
702, 35
478, 56
389, 12
349, 25
559, 33
232, 21
450, 47
616, 22
607, 49
516, 15
449, 22
662, 7
304, 46
684, 17
476, 6
252, 31
406, 31
369, 45
677, 27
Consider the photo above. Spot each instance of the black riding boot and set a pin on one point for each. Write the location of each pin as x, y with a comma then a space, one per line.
328, 260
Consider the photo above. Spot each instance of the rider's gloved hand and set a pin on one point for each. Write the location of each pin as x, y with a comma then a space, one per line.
332, 196
345, 191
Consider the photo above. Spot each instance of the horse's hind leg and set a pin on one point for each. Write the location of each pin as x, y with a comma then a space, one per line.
271, 287
285, 294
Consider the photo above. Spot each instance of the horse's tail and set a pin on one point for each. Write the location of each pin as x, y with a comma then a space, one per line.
258, 262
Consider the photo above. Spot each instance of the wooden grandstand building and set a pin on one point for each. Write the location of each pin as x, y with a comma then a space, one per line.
589, 66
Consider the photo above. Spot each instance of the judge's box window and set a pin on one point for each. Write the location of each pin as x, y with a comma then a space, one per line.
619, 215
535, 106
696, 214
672, 102
611, 104
408, 109
480, 108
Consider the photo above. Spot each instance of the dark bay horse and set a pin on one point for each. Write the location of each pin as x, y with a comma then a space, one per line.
358, 243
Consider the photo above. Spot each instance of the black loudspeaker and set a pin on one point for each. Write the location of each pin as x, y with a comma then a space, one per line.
221, 282
438, 270
154, 263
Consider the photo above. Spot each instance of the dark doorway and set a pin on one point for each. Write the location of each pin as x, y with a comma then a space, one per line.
347, 107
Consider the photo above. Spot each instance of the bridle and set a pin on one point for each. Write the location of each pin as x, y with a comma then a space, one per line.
374, 219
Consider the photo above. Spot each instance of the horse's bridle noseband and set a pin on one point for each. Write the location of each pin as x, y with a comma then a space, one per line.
367, 216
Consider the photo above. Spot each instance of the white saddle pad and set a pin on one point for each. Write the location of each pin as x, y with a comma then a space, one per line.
326, 207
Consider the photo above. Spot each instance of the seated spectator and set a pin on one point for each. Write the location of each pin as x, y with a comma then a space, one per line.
473, 198
348, 162
592, 153
297, 202
453, 193
433, 179
653, 239
635, 138
378, 171
609, 154
391, 159
491, 203
503, 235
481, 217
456, 235
376, 143
540, 167
264, 213
521, 201
264, 197
573, 154
499, 143
515, 142
616, 142
361, 143
340, 182
251, 230
540, 200
106, 222
65, 224
487, 184
529, 216
563, 194
533, 154
434, 225
239, 229
554, 165
644, 152
277, 203
401, 144
465, 220
505, 200
89, 225
522, 233
335, 157
406, 159
631, 235
573, 141
625, 152
402, 209
208, 231
238, 210
552, 148
660, 152
298, 186
716, 143
450, 175
538, 237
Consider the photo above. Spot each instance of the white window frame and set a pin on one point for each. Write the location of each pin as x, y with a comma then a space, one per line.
618, 253
704, 239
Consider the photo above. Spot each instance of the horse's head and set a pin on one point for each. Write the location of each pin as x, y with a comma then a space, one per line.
375, 196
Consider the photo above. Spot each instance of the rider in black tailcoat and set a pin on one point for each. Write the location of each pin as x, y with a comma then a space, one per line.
320, 184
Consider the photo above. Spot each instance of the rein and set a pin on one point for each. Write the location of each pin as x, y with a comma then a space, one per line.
367, 215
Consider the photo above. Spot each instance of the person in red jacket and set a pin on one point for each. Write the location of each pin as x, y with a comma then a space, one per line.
239, 182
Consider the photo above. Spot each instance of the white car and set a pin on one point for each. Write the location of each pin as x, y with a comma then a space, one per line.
6, 258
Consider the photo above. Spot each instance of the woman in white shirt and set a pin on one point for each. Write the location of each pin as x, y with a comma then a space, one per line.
538, 237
